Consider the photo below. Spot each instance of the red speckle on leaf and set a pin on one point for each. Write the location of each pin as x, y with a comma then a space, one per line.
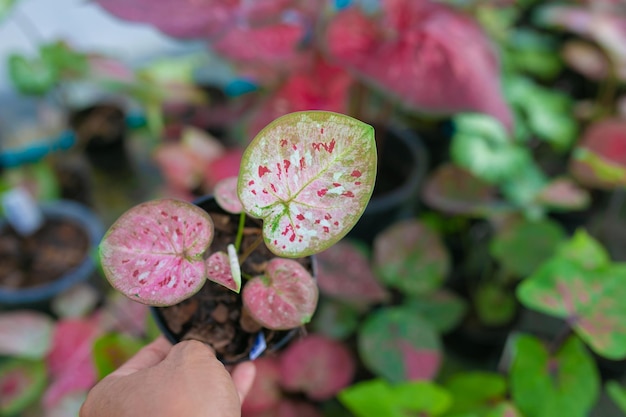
263, 170
254, 191
336, 223
275, 242
294, 147
142, 281
283, 142
289, 229
164, 214
178, 232
318, 221
322, 131
322, 192
326, 229
331, 147
273, 187
264, 191
302, 163
280, 171
327, 216
357, 183
175, 218
135, 273
356, 173
336, 184
125, 261
287, 165
300, 217
328, 147
251, 182
348, 194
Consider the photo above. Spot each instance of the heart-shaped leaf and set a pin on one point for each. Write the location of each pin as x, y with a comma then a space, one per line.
345, 273
34, 76
226, 195
309, 176
284, 298
421, 40
454, 190
318, 366
411, 257
564, 194
335, 319
399, 345
566, 384
578, 285
522, 245
21, 383
376, 397
600, 157
25, 334
224, 269
112, 350
153, 252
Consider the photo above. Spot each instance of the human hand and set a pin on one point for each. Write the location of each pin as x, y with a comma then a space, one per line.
162, 380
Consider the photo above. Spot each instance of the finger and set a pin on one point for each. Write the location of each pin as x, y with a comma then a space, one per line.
147, 357
243, 377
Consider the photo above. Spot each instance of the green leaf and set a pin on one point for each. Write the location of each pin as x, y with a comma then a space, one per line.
66, 62
523, 189
481, 145
494, 305
534, 53
399, 345
521, 246
111, 350
617, 393
608, 173
585, 251
22, 382
335, 319
443, 309
309, 176
566, 384
377, 398
476, 391
411, 257
31, 76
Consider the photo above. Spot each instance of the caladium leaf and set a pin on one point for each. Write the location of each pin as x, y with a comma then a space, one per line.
580, 285
399, 345
563, 194
454, 190
600, 157
345, 273
411, 257
318, 366
32, 76
545, 386
226, 195
476, 391
421, 40
153, 252
21, 383
25, 334
309, 176
376, 397
284, 298
482, 146
522, 245
443, 309
335, 319
223, 268
112, 350
495, 306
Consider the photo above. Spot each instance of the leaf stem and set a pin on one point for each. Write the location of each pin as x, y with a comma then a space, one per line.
250, 249
242, 220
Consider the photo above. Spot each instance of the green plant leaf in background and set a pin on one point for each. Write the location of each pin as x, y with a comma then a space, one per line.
5, 8
110, 351
617, 394
32, 76
411, 257
563, 194
596, 171
495, 305
399, 345
522, 189
581, 285
335, 319
476, 392
544, 385
21, 383
378, 398
522, 245
454, 190
67, 62
482, 146
443, 309
533, 53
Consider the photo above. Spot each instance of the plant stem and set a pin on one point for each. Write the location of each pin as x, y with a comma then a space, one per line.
250, 249
242, 220
560, 338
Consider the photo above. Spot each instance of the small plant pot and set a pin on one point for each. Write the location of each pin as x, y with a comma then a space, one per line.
402, 165
33, 270
215, 315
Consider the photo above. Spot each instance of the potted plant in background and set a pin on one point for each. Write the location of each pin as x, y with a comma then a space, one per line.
307, 175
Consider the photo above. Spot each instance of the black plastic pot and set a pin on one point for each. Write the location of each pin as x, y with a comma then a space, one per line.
261, 346
402, 165
39, 297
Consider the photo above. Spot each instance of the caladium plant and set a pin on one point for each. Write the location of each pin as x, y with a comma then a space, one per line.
307, 175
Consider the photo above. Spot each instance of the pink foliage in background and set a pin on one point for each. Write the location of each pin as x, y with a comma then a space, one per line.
429, 56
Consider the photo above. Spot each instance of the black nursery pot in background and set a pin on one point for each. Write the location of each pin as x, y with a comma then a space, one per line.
402, 165
215, 315
35, 269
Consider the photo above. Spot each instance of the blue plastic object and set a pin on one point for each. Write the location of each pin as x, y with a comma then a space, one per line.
10, 158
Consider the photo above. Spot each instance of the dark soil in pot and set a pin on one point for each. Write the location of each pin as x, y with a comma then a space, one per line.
215, 315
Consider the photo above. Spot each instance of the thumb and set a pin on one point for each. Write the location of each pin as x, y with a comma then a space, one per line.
243, 377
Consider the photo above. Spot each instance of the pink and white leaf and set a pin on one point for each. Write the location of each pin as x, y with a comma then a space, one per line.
224, 269
25, 334
284, 298
154, 252
226, 195
318, 366
426, 54
309, 176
